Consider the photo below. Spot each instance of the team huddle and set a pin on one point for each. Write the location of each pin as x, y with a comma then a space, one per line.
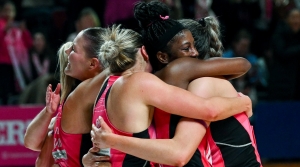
158, 97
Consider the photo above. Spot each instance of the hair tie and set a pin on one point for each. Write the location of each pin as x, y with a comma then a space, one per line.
164, 18
202, 22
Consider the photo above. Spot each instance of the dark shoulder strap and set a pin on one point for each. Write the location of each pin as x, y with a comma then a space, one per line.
107, 93
104, 85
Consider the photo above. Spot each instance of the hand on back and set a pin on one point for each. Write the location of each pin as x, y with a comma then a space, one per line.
99, 133
249, 111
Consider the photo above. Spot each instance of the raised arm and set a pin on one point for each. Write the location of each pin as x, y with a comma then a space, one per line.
38, 128
177, 101
194, 68
179, 149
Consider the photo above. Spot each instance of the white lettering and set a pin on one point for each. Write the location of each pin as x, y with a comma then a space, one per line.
57, 142
12, 132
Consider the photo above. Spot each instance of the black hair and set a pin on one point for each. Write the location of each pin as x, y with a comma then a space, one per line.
242, 34
158, 30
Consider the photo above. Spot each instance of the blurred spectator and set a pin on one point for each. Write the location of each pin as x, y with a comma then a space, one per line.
197, 9
284, 70
175, 8
87, 18
203, 9
15, 40
73, 9
120, 12
281, 9
35, 3
42, 58
262, 29
235, 15
257, 75
35, 93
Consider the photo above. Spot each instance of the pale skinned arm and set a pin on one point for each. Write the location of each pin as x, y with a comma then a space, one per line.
38, 128
168, 145
179, 149
52, 100
154, 92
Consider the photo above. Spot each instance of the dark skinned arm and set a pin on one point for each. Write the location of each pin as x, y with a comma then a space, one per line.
189, 69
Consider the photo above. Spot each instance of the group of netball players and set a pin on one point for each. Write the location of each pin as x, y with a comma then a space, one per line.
159, 97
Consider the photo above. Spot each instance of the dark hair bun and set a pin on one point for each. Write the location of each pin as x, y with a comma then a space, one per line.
146, 13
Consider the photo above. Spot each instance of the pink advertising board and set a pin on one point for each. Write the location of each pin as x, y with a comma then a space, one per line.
13, 123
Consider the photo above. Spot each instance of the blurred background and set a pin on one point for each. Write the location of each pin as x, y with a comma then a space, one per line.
266, 32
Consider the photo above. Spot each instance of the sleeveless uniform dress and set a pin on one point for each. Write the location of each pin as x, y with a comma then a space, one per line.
118, 158
165, 126
233, 143
69, 148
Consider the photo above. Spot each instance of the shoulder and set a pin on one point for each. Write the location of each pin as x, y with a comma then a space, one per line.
98, 79
80, 89
141, 83
206, 81
211, 86
84, 83
203, 87
142, 79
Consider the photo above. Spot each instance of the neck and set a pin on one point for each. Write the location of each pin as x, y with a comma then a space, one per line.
139, 66
131, 71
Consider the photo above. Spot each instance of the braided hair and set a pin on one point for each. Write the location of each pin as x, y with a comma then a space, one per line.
158, 30
206, 33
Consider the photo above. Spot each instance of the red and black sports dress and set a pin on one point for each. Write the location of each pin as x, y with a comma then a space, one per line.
69, 148
165, 126
233, 143
118, 158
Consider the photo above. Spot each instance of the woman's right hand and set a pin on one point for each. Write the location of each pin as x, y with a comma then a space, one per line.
100, 133
52, 98
249, 112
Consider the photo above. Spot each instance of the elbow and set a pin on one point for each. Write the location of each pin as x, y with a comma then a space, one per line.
247, 66
244, 65
26, 141
213, 115
180, 162
213, 111
30, 144
181, 158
